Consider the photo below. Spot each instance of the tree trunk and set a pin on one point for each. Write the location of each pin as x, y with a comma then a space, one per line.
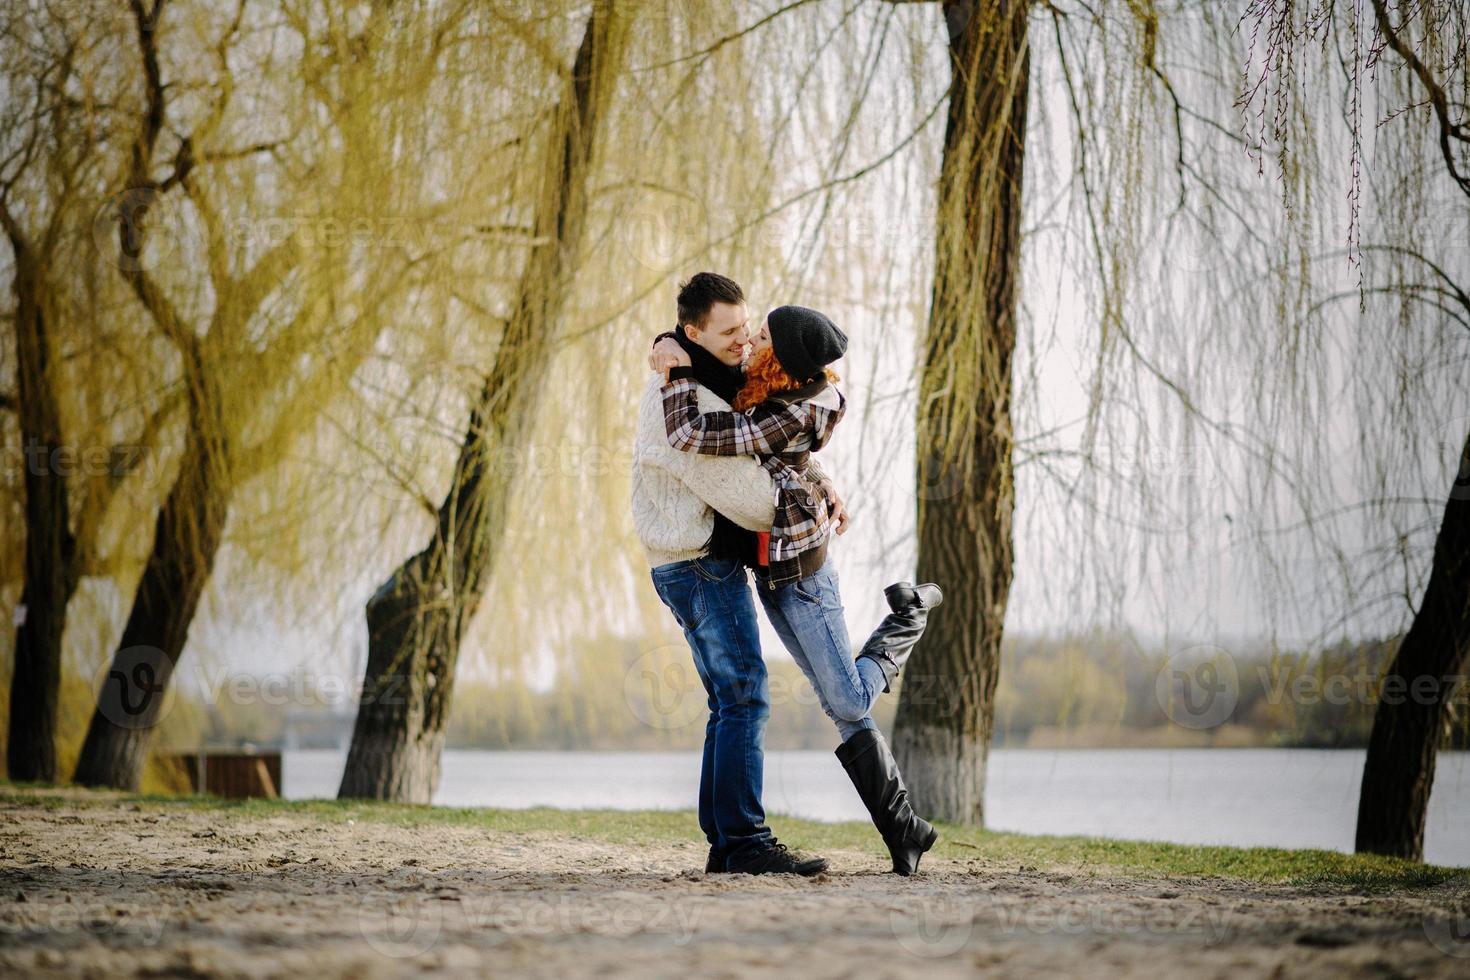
186, 538
50, 571
417, 618
190, 524
965, 483
1414, 712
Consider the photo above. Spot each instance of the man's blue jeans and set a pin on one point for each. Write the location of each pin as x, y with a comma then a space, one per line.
807, 615
710, 598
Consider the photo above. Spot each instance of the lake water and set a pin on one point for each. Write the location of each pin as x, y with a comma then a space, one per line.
1275, 797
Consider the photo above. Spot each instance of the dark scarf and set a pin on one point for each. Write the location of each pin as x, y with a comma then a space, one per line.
728, 540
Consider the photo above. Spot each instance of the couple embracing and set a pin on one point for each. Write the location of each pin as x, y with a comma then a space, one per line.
727, 493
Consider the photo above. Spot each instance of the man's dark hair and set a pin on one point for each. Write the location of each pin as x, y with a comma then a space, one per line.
702, 291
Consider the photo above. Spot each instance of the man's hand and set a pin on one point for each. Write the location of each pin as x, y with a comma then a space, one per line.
836, 507
667, 354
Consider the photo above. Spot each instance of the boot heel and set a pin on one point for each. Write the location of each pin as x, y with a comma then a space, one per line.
906, 860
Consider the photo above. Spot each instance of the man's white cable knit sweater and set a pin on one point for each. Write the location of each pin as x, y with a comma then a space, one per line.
675, 494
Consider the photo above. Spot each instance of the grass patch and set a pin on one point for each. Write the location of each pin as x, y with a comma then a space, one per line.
990, 849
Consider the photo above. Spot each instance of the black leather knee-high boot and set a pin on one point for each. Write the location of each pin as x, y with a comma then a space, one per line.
874, 772
895, 637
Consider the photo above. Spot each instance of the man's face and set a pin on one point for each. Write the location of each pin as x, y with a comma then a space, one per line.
726, 332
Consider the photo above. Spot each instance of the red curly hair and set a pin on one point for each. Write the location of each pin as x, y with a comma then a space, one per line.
764, 376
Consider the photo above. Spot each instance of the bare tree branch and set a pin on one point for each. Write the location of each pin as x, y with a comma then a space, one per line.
1448, 128
705, 52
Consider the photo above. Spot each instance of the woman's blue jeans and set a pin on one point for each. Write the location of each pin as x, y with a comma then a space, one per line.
808, 616
710, 598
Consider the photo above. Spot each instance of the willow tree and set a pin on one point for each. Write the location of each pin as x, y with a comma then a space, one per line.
260, 330
50, 569
658, 211
964, 433
1407, 731
1315, 79
1129, 114
418, 616
1405, 63
68, 395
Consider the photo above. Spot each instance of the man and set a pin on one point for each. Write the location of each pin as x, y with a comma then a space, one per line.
696, 517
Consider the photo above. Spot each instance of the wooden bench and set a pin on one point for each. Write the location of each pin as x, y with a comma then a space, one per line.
234, 775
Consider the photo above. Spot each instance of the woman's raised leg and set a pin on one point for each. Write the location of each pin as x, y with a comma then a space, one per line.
808, 617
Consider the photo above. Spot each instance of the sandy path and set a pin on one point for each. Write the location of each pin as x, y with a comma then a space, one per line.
115, 889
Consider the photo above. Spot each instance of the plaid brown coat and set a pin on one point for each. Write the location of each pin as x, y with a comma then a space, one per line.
781, 432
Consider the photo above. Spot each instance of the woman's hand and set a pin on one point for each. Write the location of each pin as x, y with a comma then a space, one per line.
667, 354
836, 507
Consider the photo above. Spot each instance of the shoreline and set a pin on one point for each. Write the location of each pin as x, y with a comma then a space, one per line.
121, 884
1284, 798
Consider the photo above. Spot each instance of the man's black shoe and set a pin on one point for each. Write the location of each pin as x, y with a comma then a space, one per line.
715, 863
778, 860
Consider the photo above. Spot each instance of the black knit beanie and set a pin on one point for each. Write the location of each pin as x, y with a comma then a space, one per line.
804, 341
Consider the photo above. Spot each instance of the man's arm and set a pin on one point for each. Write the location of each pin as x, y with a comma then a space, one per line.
736, 486
769, 429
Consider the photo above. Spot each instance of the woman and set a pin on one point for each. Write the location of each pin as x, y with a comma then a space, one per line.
787, 409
